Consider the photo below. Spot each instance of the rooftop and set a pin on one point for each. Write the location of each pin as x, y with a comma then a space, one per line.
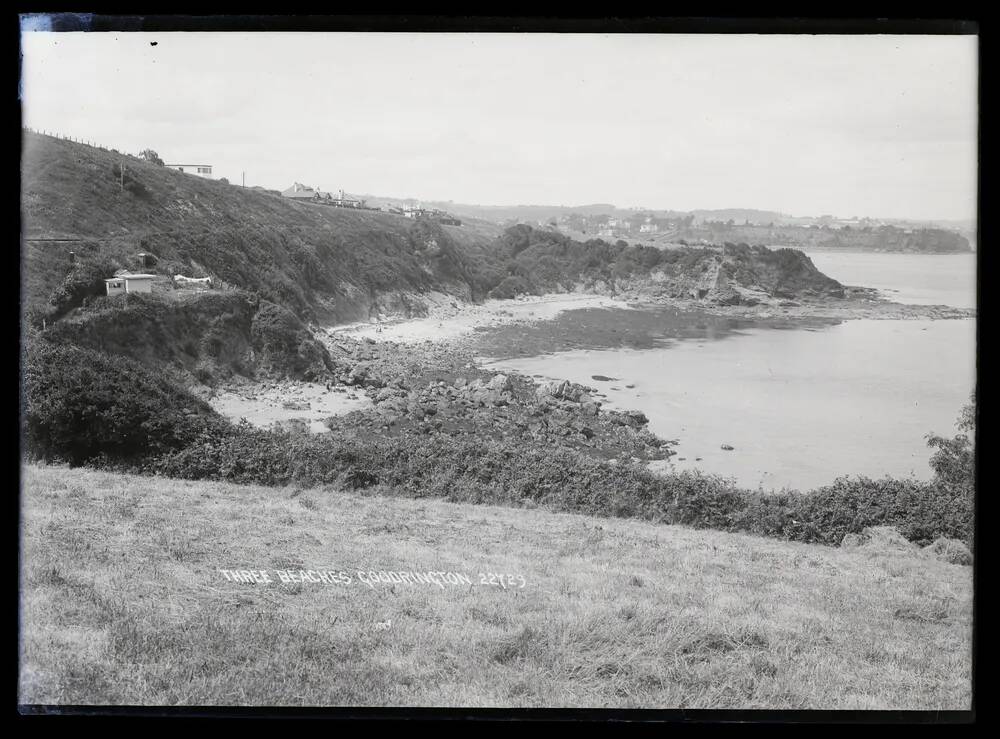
130, 277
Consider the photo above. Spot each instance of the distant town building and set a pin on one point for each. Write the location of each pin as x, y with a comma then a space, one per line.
129, 284
201, 170
411, 212
346, 202
434, 214
299, 191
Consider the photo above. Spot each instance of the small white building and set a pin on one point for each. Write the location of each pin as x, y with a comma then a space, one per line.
202, 170
129, 284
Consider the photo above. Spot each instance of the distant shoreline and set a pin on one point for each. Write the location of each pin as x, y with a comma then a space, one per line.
456, 321
852, 250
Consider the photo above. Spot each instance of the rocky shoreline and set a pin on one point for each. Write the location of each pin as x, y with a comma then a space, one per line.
439, 386
396, 389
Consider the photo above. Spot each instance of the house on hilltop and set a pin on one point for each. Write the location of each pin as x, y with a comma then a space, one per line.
201, 170
298, 191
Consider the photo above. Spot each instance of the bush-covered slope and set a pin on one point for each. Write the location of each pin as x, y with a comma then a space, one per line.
80, 406
323, 262
537, 261
209, 335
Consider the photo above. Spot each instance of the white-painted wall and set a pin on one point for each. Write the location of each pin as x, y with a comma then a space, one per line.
194, 170
138, 286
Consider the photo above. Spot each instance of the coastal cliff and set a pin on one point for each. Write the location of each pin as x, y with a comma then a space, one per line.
741, 275
311, 265
83, 219
540, 261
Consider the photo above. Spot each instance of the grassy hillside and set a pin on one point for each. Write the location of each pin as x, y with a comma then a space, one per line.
123, 602
323, 262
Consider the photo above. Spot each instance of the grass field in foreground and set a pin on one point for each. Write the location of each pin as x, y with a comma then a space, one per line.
123, 602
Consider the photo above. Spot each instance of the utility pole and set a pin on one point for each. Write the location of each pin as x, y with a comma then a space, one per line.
121, 168
244, 180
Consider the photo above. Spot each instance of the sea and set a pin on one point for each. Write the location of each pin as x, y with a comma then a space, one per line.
779, 407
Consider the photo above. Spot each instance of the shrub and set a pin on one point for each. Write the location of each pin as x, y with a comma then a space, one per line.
80, 405
954, 462
138, 189
954, 465
495, 472
705, 501
128, 180
151, 156
84, 280
286, 344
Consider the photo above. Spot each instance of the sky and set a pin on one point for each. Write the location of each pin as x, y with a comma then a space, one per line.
880, 126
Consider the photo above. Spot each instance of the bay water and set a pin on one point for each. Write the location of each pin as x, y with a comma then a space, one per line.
802, 406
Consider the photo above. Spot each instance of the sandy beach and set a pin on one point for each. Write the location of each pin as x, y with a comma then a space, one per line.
269, 403
450, 321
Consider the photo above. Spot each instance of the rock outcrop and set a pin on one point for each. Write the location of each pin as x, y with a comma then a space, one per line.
749, 275
456, 398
